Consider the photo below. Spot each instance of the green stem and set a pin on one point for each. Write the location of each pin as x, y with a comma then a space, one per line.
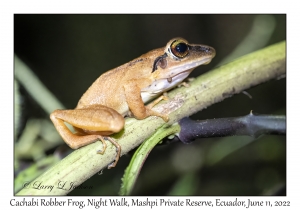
139, 157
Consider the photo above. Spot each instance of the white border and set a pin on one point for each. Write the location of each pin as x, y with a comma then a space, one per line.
8, 8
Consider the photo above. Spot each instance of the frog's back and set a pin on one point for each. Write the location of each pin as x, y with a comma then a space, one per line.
106, 90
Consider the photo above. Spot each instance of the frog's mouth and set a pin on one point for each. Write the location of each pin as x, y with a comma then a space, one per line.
165, 84
187, 67
162, 85
178, 74
172, 77
177, 78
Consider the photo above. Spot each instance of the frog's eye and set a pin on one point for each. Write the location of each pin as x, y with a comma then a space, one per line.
179, 48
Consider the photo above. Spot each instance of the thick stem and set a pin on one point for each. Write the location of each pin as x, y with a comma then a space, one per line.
249, 125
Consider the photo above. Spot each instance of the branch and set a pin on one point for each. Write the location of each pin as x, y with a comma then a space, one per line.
210, 88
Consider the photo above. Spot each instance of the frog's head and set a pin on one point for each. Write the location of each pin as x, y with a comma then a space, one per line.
179, 59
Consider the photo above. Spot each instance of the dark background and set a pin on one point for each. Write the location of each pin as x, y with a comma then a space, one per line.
68, 52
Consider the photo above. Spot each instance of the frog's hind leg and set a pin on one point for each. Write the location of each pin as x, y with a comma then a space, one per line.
91, 124
115, 143
113, 164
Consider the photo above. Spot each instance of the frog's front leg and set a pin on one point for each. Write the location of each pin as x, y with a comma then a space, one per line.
92, 123
136, 104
